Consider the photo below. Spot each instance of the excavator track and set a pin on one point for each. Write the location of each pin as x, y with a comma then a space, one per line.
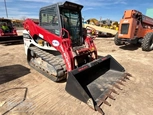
53, 67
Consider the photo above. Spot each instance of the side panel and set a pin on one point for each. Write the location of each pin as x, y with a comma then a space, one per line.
127, 14
127, 28
147, 20
144, 31
27, 40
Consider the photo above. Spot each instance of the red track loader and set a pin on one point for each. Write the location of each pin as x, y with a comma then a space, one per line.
11, 35
135, 28
60, 49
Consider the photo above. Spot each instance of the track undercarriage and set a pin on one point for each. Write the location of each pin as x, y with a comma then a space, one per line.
49, 65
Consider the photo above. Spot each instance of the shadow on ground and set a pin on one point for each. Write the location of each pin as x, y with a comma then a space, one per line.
11, 40
9, 73
12, 43
130, 47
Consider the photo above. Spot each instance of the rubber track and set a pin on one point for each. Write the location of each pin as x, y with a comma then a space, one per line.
54, 61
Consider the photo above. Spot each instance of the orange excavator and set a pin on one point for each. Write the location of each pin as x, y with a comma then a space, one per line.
135, 28
59, 49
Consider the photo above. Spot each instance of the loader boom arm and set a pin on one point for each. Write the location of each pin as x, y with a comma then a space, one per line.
62, 45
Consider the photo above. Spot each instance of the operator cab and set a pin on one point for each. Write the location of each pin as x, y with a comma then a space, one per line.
63, 19
7, 23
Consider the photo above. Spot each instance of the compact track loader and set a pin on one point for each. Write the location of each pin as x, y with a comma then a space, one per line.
11, 35
60, 49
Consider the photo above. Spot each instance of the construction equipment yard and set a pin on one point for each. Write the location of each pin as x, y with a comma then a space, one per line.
64, 64
24, 91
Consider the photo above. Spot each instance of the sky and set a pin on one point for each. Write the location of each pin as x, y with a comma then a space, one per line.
105, 9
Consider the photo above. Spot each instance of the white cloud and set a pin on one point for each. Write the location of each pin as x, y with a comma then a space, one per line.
16, 13
103, 3
49, 1
84, 2
86, 9
120, 2
6, 1
44, 1
33, 10
27, 16
30, 7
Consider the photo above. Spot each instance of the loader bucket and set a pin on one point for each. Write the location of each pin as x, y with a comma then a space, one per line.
10, 39
93, 83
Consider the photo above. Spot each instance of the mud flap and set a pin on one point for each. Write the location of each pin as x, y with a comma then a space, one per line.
10, 39
92, 83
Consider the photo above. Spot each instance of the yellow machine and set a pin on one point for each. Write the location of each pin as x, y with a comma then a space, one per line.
93, 21
114, 25
107, 27
17, 22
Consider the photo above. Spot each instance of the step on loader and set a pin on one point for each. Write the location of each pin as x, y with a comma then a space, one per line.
60, 48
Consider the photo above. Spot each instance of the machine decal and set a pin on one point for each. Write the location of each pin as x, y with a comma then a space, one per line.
40, 35
125, 21
65, 56
104, 58
55, 43
82, 68
120, 34
26, 36
57, 32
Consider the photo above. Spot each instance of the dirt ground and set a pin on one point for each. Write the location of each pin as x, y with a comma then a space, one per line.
24, 91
